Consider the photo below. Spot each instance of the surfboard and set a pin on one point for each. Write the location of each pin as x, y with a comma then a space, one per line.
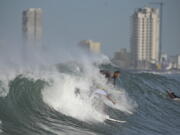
114, 120
176, 99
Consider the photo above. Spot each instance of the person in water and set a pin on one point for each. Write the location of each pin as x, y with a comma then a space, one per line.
172, 94
111, 76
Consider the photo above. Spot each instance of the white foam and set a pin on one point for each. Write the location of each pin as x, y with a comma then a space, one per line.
60, 95
123, 102
62, 98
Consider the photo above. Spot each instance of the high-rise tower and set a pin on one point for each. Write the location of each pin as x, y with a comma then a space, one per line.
145, 37
32, 26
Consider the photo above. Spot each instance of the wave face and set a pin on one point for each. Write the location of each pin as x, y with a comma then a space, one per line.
44, 102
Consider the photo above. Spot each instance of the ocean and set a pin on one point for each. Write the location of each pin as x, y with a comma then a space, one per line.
43, 102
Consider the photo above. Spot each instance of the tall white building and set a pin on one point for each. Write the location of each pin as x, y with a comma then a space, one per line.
178, 61
145, 37
32, 26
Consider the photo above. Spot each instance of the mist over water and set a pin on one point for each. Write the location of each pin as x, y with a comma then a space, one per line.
37, 95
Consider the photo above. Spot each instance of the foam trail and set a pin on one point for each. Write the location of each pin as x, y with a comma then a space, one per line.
123, 102
62, 98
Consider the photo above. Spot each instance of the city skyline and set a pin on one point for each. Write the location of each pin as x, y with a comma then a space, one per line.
68, 22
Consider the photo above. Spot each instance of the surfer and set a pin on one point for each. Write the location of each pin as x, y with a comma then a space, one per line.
172, 94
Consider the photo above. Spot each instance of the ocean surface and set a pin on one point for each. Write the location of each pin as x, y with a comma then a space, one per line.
43, 102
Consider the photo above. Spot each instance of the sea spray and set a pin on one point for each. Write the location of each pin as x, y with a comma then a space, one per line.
61, 96
25, 109
123, 102
40, 94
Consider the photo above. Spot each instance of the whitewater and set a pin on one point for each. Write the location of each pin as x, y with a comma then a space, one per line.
40, 99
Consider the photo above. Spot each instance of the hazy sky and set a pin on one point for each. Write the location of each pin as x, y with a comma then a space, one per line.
66, 22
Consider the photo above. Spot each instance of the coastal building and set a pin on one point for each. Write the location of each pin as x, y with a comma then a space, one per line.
90, 46
145, 37
178, 61
122, 58
164, 61
175, 60
164, 57
32, 26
